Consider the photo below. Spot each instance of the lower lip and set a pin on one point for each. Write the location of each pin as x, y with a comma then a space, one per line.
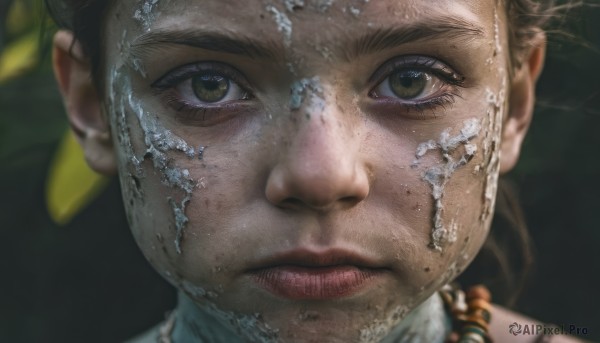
315, 283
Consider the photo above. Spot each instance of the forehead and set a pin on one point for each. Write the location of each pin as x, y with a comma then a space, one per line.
297, 20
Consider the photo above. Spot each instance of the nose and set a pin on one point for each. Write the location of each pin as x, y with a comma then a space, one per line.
321, 169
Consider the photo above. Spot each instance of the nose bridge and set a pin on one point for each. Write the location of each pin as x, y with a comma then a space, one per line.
322, 145
321, 165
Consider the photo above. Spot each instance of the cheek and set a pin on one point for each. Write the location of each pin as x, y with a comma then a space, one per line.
157, 187
459, 168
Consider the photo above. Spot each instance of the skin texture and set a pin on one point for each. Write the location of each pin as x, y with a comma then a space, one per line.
317, 156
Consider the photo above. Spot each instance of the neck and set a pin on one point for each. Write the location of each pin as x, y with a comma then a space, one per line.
426, 323
193, 323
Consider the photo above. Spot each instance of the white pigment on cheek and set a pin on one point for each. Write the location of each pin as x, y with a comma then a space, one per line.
158, 141
491, 147
438, 175
284, 24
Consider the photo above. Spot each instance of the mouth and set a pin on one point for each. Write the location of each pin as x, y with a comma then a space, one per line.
307, 275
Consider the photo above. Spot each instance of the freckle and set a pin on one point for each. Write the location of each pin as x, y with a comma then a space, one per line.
408, 192
207, 202
466, 239
427, 269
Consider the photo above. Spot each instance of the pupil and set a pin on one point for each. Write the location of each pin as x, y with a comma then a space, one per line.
408, 84
210, 88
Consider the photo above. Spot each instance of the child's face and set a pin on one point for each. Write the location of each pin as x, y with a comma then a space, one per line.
329, 163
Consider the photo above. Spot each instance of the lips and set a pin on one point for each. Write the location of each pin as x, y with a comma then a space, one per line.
307, 275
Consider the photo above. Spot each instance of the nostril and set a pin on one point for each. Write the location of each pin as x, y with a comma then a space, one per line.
350, 200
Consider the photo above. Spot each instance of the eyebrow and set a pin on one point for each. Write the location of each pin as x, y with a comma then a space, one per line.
375, 40
213, 41
440, 28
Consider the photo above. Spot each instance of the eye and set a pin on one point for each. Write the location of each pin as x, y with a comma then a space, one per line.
202, 85
414, 82
209, 88
205, 93
409, 84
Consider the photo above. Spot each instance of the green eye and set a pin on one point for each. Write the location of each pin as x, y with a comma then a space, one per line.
408, 84
210, 88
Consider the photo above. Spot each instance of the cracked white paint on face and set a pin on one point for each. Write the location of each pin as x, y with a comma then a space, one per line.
284, 24
158, 142
497, 43
438, 175
157, 149
491, 147
293, 5
307, 86
145, 14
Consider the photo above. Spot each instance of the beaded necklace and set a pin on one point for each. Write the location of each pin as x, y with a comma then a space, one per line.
470, 313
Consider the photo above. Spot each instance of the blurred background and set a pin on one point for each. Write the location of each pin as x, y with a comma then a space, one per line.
71, 272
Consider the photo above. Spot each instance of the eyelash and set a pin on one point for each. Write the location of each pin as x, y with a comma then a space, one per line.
427, 65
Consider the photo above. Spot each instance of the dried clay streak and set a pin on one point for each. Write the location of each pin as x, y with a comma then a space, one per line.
284, 24
293, 5
158, 141
491, 149
299, 90
145, 14
437, 176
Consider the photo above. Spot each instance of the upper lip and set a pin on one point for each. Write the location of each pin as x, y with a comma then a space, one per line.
305, 257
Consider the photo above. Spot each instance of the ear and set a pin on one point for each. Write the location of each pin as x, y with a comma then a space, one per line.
521, 103
84, 111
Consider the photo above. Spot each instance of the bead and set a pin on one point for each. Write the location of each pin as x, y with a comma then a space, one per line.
479, 303
479, 312
471, 338
471, 317
479, 291
474, 329
477, 321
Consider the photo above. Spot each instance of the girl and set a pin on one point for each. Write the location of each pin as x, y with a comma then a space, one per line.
308, 170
